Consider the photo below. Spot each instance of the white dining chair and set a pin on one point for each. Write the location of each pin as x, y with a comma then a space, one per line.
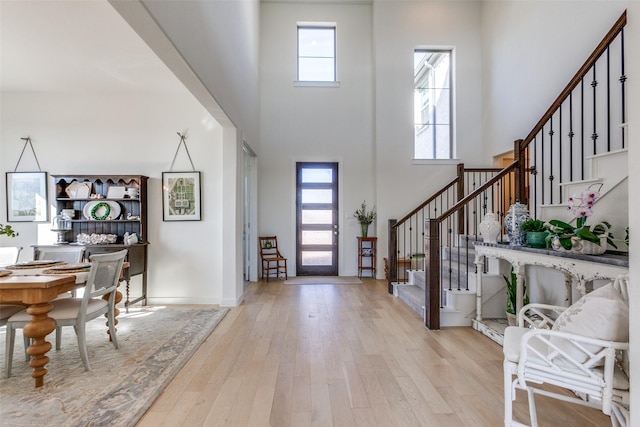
67, 253
103, 280
9, 255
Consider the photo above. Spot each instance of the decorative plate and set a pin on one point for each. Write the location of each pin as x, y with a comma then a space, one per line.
4, 273
99, 210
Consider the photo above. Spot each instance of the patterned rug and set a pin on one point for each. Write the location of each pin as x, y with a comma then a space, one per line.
155, 342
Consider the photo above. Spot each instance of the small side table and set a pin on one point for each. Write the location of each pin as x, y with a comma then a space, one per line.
367, 255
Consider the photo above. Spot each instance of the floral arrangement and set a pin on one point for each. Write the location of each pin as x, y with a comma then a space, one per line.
582, 207
363, 216
7, 231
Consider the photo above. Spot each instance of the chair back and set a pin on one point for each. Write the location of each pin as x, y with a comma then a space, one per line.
9, 255
61, 253
103, 277
269, 247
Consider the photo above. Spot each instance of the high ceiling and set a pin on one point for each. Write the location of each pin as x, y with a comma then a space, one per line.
75, 46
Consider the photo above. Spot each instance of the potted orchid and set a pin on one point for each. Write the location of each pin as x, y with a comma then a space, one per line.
581, 238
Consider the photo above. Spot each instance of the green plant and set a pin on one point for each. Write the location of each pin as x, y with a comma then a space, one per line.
363, 216
565, 232
7, 230
626, 237
533, 225
512, 287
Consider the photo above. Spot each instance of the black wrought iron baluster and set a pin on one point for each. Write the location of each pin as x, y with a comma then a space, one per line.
594, 134
560, 181
551, 176
582, 159
543, 165
608, 100
623, 79
570, 135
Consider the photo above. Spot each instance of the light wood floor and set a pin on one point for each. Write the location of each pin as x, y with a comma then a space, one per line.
343, 355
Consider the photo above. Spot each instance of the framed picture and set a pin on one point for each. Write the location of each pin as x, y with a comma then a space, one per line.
27, 197
181, 196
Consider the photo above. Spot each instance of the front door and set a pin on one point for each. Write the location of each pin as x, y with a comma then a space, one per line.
317, 219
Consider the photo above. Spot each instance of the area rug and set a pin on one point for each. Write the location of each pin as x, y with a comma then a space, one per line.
323, 280
155, 342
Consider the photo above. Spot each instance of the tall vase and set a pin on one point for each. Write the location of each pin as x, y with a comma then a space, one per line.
513, 220
365, 229
489, 228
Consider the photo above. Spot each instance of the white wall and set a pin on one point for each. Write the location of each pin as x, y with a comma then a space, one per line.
530, 51
399, 28
219, 42
315, 123
123, 128
118, 133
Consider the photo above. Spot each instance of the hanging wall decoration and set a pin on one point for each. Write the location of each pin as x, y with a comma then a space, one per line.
27, 196
181, 190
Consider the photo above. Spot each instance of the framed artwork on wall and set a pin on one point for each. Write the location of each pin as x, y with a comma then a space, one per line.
181, 196
27, 197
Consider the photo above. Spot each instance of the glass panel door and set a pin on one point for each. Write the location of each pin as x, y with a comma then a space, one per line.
317, 219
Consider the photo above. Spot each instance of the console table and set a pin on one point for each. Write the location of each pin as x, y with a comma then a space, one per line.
584, 269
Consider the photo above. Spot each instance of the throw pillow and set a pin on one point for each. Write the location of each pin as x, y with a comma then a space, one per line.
601, 314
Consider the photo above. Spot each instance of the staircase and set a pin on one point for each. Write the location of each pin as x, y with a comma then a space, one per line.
459, 299
457, 268
565, 152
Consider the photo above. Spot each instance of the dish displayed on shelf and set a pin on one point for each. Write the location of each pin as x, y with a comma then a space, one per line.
4, 273
78, 190
99, 210
96, 239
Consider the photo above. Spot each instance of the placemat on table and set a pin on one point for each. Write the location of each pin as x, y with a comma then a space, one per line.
82, 267
33, 264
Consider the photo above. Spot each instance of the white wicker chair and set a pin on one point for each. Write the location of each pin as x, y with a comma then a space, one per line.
592, 368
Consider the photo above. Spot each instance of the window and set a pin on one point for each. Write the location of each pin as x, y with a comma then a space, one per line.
432, 104
317, 52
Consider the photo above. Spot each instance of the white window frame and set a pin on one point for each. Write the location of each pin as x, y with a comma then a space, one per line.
451, 113
317, 25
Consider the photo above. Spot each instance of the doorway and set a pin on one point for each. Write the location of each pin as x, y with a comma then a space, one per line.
317, 219
249, 234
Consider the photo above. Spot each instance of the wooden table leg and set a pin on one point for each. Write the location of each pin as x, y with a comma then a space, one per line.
37, 329
117, 299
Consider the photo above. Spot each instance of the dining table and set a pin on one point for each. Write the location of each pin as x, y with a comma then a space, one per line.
36, 291
35, 284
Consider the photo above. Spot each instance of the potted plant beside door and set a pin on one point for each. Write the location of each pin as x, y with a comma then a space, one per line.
365, 218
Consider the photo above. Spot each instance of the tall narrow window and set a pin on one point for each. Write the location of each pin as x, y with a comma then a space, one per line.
432, 104
317, 53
